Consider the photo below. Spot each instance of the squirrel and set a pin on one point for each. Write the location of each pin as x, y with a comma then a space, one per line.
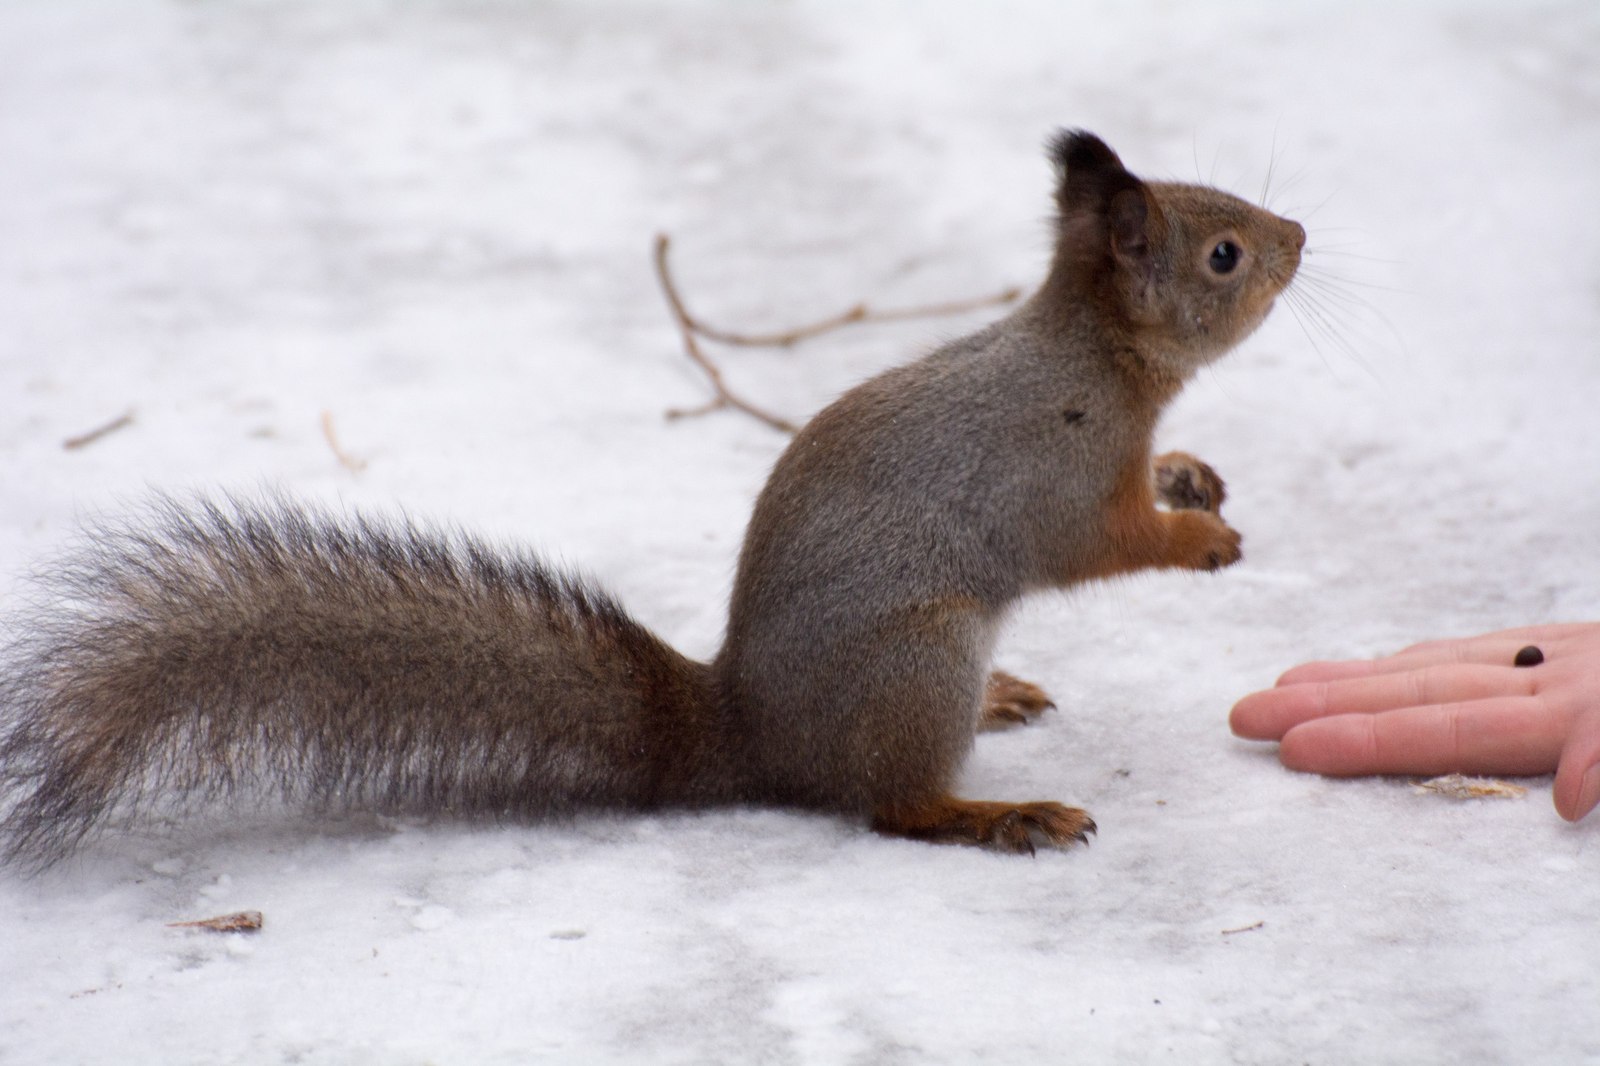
377, 665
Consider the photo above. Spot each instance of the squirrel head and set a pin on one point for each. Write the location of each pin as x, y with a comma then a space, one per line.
1184, 272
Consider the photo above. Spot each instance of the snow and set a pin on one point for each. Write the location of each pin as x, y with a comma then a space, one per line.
433, 220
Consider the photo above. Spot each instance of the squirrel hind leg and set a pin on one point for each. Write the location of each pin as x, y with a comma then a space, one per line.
1010, 701
1018, 828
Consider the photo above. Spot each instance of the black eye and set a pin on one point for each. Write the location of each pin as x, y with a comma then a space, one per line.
1224, 257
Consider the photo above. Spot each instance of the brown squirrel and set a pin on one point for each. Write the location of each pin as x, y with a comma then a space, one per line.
371, 664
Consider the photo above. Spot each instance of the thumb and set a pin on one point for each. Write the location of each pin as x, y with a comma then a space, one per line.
1577, 788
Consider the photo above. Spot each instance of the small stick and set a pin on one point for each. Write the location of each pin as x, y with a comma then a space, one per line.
690, 326
83, 440
859, 313
1245, 928
349, 462
686, 326
94, 991
790, 337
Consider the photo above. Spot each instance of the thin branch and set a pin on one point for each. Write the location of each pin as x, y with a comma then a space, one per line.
686, 325
859, 313
849, 317
691, 327
83, 440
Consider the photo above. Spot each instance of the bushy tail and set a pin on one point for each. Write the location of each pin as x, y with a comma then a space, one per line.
353, 662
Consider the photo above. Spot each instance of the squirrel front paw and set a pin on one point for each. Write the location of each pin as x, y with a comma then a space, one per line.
1185, 483
1202, 541
1010, 701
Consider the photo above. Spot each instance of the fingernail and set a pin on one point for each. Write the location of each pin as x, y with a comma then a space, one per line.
1589, 791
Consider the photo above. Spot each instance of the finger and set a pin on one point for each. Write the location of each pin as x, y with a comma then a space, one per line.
1520, 636
1514, 735
1268, 715
1495, 649
1577, 787
1337, 670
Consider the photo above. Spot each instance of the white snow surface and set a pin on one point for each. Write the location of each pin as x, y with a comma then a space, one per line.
432, 220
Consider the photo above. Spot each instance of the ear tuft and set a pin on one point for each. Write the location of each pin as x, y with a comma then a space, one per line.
1095, 194
1088, 172
1077, 152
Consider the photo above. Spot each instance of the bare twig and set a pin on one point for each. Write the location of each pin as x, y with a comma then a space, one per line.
95, 991
346, 460
1245, 928
859, 313
686, 325
83, 440
690, 326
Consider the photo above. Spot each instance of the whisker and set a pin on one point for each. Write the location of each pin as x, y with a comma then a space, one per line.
1272, 162
1311, 212
1320, 275
1293, 301
1294, 180
1341, 252
1315, 321
1331, 305
1331, 302
1324, 232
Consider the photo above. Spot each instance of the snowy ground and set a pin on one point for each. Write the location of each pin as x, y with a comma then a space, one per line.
432, 221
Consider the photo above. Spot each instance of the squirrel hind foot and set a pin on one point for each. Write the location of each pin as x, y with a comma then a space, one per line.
1010, 701
1018, 828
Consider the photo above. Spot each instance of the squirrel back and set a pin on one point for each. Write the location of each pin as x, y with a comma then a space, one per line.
377, 665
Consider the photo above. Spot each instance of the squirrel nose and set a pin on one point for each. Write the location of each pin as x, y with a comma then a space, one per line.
1297, 234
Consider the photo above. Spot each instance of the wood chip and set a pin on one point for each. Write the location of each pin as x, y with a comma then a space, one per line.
1457, 786
237, 922
346, 460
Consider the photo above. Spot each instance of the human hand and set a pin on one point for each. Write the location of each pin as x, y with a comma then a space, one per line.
1450, 706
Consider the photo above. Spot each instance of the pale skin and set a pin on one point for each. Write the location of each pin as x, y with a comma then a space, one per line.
1447, 706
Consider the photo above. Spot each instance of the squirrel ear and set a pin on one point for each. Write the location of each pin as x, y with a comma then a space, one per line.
1088, 172
1094, 188
1128, 220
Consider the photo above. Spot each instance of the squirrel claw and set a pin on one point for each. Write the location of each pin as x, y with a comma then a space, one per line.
1041, 824
1228, 554
1010, 701
1201, 540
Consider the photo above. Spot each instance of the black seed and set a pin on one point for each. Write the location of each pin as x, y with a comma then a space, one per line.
1529, 656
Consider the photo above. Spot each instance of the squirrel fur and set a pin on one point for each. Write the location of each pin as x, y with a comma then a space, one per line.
380, 666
